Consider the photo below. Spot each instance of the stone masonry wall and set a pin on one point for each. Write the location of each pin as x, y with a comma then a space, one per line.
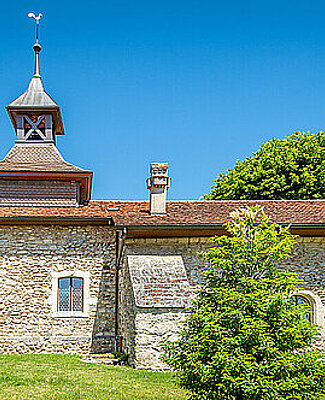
144, 329
308, 261
29, 255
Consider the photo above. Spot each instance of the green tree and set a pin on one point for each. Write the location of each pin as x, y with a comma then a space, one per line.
244, 337
292, 168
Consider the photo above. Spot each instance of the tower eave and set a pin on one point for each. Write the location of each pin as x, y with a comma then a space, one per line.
54, 110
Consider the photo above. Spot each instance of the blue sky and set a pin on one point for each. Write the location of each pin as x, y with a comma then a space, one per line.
198, 84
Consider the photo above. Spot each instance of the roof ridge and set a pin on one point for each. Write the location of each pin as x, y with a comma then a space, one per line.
214, 201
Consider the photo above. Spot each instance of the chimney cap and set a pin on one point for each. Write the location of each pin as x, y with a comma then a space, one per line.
158, 165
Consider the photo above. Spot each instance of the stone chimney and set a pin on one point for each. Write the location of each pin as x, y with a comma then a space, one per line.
158, 184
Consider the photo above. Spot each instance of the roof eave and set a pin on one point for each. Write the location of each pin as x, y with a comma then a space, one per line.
44, 220
170, 230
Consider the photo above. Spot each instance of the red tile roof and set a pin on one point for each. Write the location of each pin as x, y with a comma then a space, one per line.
217, 212
179, 213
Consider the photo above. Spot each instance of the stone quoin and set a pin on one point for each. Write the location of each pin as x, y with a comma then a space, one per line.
85, 276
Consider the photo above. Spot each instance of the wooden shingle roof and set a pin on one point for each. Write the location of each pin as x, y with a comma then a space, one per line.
40, 156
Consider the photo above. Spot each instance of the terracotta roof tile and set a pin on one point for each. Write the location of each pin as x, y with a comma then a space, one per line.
217, 212
136, 213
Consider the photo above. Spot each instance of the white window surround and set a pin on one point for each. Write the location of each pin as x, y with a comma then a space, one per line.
53, 300
318, 309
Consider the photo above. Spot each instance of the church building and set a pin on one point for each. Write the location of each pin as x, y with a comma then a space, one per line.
85, 276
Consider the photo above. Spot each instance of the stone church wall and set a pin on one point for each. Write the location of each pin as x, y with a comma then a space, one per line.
30, 258
145, 328
308, 261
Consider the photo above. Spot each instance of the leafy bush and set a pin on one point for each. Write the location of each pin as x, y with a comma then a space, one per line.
245, 338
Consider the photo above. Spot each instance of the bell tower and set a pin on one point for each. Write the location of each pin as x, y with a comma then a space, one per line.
34, 172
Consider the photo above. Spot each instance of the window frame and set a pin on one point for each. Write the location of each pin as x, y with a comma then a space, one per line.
310, 314
71, 293
54, 297
318, 308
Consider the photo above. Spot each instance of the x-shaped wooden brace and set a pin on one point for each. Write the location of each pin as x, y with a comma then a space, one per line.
34, 126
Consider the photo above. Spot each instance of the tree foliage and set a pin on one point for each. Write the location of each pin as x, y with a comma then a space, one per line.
245, 338
292, 168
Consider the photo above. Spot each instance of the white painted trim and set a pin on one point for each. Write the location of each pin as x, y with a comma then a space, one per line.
318, 309
53, 300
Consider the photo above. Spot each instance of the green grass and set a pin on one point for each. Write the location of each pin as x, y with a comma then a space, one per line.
29, 377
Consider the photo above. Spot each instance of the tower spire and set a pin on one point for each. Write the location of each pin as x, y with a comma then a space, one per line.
37, 47
34, 114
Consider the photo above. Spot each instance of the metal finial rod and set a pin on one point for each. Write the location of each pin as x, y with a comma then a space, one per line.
37, 47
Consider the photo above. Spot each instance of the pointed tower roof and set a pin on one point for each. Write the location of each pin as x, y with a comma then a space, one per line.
36, 98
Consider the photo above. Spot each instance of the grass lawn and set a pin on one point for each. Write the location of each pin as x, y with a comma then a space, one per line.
29, 377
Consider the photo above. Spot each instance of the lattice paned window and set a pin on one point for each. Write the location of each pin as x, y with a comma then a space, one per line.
70, 294
306, 303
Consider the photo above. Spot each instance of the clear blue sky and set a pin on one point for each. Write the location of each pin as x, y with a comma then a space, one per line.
196, 83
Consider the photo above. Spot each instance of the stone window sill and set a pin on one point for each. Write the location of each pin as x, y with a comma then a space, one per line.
69, 314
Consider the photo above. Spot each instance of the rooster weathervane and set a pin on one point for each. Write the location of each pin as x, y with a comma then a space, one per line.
37, 20
37, 47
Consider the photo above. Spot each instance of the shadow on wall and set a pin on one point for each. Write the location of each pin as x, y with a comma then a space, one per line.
103, 339
127, 312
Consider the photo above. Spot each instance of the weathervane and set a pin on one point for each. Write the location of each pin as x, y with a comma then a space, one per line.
37, 20
37, 47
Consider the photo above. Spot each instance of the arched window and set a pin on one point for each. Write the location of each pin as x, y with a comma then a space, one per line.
307, 303
70, 294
